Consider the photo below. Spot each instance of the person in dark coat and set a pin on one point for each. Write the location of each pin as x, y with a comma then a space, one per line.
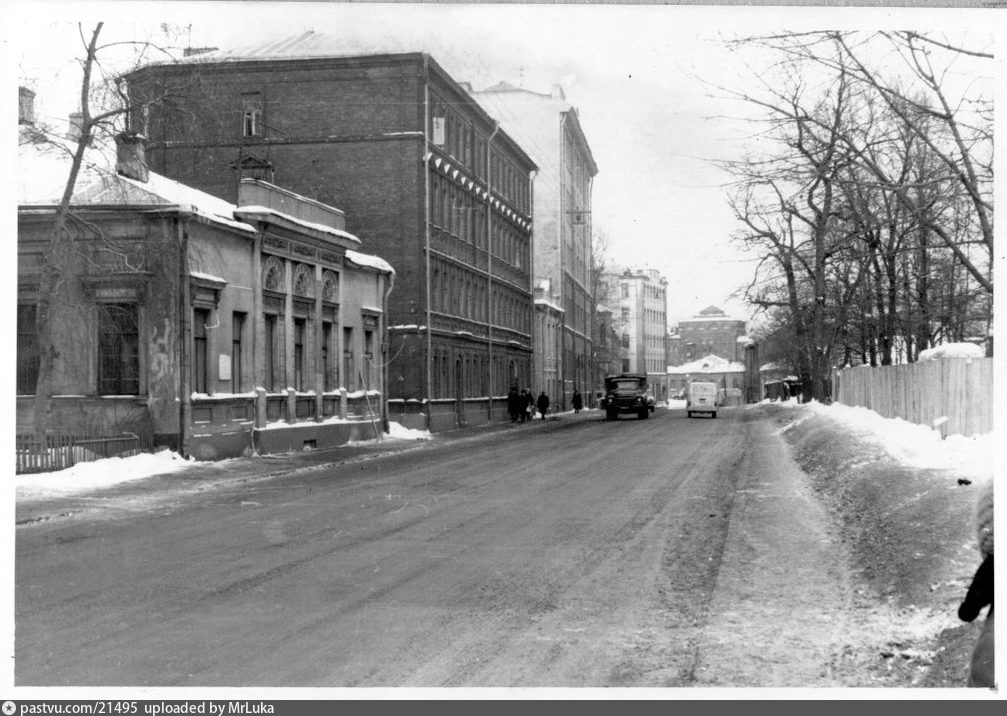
578, 401
980, 593
543, 404
513, 404
525, 400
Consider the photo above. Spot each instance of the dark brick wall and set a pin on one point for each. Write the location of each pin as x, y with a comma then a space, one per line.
346, 132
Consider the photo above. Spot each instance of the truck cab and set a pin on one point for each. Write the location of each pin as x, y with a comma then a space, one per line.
626, 393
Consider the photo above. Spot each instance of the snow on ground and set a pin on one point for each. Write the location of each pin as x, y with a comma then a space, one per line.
913, 445
86, 476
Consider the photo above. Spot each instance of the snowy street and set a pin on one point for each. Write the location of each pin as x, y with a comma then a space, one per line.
660, 553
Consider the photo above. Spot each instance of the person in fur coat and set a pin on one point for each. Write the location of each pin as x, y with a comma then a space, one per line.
980, 593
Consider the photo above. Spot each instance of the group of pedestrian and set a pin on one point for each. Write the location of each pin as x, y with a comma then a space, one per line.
522, 404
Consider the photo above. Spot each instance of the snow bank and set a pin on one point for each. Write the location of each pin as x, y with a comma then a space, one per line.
100, 473
911, 444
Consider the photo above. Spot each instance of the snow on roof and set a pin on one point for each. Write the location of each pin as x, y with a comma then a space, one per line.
709, 364
322, 228
305, 45
43, 171
374, 262
953, 350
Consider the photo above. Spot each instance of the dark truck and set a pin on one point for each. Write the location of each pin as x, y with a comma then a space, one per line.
627, 393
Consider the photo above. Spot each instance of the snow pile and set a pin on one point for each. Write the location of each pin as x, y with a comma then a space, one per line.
86, 476
397, 431
953, 350
914, 445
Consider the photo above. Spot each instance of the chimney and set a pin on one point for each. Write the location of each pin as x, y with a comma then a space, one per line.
76, 125
131, 158
25, 106
467, 86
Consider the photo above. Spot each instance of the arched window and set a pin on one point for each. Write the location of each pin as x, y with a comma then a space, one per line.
272, 274
330, 286
304, 283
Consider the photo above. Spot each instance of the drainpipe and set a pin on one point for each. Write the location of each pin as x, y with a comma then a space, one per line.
489, 263
184, 333
531, 271
426, 227
389, 285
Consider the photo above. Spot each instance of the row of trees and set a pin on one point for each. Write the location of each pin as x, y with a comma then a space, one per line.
867, 202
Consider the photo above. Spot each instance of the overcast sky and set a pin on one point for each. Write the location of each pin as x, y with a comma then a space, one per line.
640, 76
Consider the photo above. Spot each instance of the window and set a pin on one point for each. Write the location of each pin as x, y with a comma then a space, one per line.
237, 338
27, 350
200, 358
271, 352
625, 290
118, 349
328, 379
251, 109
369, 358
349, 379
299, 326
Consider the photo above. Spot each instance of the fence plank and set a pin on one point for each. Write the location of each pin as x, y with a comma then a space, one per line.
960, 389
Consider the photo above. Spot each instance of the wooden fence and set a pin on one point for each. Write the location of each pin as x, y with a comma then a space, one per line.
954, 394
60, 449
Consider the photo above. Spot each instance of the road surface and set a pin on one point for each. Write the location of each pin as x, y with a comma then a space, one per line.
572, 552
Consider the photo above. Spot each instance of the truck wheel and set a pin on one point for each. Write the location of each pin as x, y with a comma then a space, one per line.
611, 415
713, 415
688, 413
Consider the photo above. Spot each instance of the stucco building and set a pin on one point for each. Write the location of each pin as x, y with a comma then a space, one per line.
220, 328
639, 299
421, 169
549, 129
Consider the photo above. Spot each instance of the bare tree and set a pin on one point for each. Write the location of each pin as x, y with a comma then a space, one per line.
103, 107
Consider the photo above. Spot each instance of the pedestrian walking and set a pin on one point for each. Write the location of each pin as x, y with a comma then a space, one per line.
525, 401
543, 404
578, 401
514, 404
980, 593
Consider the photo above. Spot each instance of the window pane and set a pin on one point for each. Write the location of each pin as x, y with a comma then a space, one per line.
27, 350
118, 350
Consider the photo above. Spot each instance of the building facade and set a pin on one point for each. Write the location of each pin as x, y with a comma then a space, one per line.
422, 171
223, 329
710, 332
728, 375
549, 129
640, 305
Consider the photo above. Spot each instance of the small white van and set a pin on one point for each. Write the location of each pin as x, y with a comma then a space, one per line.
702, 398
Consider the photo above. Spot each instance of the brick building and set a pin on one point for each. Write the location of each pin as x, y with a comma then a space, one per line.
549, 128
710, 332
427, 178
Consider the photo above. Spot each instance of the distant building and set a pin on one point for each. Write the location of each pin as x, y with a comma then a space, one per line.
217, 329
639, 298
422, 170
549, 129
710, 332
728, 375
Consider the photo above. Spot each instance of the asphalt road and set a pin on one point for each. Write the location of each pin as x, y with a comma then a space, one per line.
569, 553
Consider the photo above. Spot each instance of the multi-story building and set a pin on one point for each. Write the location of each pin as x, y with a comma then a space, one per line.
710, 332
214, 328
424, 173
549, 128
640, 302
